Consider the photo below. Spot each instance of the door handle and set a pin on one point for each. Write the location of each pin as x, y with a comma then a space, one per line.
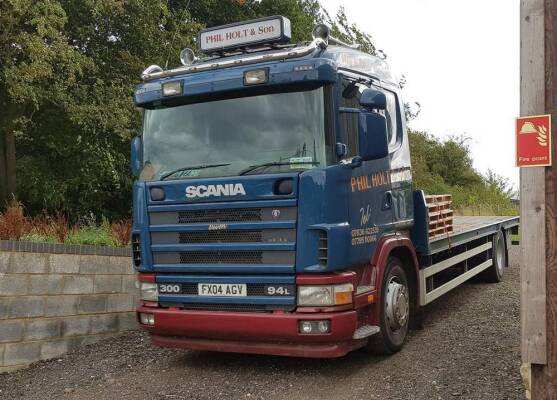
388, 201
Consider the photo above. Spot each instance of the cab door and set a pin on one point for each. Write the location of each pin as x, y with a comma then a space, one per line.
370, 196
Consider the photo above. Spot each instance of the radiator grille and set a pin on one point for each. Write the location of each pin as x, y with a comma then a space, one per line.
219, 215
221, 257
220, 236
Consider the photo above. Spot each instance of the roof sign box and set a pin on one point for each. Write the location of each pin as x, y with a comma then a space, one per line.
242, 34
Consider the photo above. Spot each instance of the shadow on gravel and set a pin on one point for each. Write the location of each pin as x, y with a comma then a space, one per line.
214, 361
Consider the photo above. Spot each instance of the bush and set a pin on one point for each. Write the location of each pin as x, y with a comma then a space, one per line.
44, 228
91, 235
445, 167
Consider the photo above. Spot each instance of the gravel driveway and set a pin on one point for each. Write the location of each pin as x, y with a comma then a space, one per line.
469, 349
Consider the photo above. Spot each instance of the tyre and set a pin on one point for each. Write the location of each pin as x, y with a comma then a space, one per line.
494, 274
394, 310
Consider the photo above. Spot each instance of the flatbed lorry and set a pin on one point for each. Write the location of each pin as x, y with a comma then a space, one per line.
274, 210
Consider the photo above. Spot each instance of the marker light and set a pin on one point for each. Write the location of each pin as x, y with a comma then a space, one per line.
157, 194
255, 76
325, 295
148, 291
173, 88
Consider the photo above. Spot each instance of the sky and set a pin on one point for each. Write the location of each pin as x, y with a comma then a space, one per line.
461, 63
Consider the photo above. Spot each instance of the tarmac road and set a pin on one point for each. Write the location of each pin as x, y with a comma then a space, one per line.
468, 349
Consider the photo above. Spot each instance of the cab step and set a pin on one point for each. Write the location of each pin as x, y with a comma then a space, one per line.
365, 331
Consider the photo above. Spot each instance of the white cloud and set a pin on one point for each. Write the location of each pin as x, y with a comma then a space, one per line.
461, 61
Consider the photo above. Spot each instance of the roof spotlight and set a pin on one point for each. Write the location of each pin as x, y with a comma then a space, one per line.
321, 31
187, 56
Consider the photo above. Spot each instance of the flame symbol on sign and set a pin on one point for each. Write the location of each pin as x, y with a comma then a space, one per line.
541, 131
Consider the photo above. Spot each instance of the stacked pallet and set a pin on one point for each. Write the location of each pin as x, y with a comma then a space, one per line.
440, 214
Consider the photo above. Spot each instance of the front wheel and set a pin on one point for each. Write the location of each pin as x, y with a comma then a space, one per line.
394, 310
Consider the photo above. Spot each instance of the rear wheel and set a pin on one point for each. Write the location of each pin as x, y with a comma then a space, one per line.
394, 310
494, 274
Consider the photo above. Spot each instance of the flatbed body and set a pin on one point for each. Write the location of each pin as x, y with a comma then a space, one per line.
468, 228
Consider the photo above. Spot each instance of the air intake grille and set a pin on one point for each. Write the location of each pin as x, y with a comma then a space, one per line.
136, 249
219, 215
323, 248
221, 257
220, 237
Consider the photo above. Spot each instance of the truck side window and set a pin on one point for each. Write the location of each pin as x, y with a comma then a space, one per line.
349, 124
350, 99
390, 114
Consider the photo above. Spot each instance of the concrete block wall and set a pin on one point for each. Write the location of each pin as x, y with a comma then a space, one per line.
51, 303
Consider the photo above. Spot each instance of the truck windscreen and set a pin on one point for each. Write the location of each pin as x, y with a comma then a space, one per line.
284, 131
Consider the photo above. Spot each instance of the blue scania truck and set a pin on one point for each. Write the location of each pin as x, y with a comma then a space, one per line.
274, 210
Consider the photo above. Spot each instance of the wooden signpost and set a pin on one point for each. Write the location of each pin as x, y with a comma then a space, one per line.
538, 194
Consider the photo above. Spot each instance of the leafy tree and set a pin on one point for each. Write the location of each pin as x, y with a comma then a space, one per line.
38, 68
349, 33
67, 74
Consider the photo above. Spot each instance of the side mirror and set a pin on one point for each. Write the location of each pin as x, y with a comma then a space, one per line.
372, 98
135, 162
373, 136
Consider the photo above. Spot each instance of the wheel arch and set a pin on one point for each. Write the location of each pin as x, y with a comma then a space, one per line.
399, 246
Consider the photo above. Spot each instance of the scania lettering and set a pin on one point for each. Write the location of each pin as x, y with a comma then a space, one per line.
274, 209
229, 189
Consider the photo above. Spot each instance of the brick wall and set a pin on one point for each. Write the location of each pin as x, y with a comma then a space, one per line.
51, 303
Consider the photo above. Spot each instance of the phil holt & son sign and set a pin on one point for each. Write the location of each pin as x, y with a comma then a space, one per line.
260, 31
533, 141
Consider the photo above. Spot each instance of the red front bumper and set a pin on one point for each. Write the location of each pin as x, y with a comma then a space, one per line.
275, 333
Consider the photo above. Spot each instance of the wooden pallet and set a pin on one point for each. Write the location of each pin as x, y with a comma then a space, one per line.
440, 214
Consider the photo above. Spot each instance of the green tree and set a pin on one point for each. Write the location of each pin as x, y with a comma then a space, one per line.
38, 68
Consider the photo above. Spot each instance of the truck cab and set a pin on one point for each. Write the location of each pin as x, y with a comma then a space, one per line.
273, 205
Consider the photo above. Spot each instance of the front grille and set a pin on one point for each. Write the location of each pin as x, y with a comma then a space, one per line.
254, 289
219, 215
221, 257
220, 236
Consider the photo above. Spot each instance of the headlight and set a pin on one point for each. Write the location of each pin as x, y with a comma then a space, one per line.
329, 295
148, 291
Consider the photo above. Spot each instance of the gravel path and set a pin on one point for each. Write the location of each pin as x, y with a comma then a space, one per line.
469, 349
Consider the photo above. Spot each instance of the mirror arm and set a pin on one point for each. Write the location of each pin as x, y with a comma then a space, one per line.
356, 162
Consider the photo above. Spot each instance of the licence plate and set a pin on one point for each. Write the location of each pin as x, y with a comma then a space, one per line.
222, 289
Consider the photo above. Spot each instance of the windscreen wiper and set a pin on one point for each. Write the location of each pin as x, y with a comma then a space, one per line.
272, 164
193, 167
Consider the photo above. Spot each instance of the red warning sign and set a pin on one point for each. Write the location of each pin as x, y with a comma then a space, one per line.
533, 141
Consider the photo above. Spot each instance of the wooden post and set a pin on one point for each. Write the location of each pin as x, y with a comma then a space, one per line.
532, 188
544, 377
539, 201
